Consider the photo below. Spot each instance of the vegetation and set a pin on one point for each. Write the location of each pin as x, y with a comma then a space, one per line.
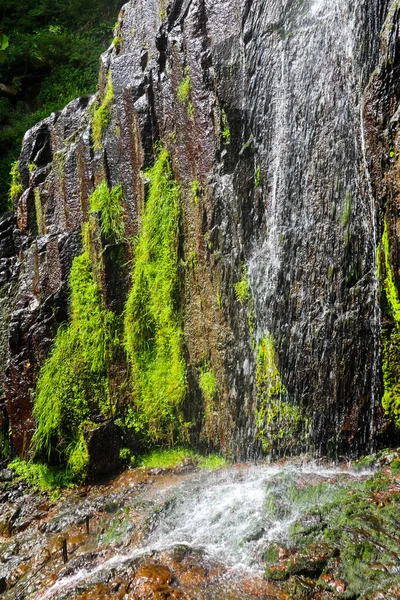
195, 191
275, 418
169, 459
42, 477
101, 116
208, 386
153, 321
391, 339
73, 383
226, 132
38, 210
183, 93
108, 202
16, 186
342, 532
51, 58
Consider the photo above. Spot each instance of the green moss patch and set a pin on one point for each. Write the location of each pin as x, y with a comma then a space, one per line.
108, 202
391, 338
73, 384
101, 115
276, 419
343, 531
153, 319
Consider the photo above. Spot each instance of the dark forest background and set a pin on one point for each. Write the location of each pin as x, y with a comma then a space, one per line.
52, 58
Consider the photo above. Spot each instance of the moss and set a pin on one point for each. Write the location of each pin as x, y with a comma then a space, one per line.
339, 530
73, 383
108, 202
208, 386
395, 467
226, 132
276, 419
212, 462
245, 297
38, 211
391, 339
169, 459
346, 211
257, 177
16, 185
101, 115
183, 93
59, 158
40, 476
195, 191
153, 320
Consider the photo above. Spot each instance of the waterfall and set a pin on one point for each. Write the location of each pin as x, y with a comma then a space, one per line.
312, 264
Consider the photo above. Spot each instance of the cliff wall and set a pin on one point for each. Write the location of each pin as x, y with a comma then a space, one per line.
283, 168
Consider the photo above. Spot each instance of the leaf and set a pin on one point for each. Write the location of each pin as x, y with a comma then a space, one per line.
3, 41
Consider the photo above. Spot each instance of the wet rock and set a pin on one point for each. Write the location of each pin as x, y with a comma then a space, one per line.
7, 475
104, 443
263, 589
153, 573
194, 578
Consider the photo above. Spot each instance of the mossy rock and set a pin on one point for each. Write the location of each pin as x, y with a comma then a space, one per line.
276, 573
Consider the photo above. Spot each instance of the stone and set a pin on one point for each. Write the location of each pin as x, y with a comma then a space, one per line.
104, 443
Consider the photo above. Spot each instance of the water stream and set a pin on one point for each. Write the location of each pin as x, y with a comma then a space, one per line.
226, 518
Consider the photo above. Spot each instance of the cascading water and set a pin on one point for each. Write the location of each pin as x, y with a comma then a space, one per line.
225, 518
312, 269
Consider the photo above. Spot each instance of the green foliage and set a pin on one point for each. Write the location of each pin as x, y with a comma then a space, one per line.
169, 459
242, 288
257, 178
212, 462
101, 116
52, 58
226, 132
166, 459
391, 340
42, 477
3, 47
16, 185
153, 322
73, 382
183, 93
275, 418
395, 467
112, 215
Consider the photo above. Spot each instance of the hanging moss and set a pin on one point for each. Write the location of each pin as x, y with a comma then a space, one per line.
16, 185
153, 322
39, 212
73, 384
101, 116
112, 215
183, 93
391, 339
276, 419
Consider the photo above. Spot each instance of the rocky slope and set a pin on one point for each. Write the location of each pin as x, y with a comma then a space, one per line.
283, 185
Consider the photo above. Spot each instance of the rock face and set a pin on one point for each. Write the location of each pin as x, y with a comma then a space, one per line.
260, 105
